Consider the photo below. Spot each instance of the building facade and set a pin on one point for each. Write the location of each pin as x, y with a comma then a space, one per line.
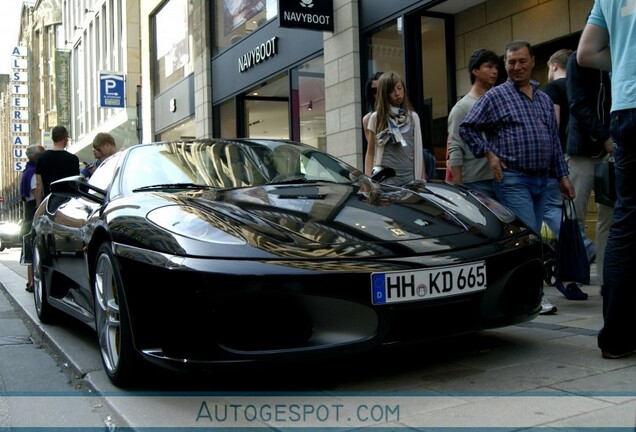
17, 118
102, 40
246, 75
202, 68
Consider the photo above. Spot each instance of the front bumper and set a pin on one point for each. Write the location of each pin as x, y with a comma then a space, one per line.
194, 310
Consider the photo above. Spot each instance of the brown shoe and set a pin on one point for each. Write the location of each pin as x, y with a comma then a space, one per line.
613, 356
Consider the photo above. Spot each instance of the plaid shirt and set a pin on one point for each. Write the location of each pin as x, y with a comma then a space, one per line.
521, 131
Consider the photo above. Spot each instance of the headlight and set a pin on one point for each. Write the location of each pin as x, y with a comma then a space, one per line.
503, 213
190, 222
10, 228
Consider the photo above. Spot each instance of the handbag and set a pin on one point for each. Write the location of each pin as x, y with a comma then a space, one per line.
571, 257
604, 183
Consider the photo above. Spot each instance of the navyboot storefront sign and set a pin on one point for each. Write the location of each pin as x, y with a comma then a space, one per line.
306, 14
257, 55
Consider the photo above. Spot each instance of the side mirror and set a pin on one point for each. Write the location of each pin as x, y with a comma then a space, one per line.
77, 186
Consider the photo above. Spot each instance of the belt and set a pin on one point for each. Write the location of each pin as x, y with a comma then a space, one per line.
532, 172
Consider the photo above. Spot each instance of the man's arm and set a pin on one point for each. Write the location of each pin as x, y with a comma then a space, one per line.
554, 92
474, 124
593, 50
455, 156
39, 188
583, 103
369, 159
457, 173
471, 130
557, 114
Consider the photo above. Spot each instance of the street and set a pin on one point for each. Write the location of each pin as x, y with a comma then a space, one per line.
544, 373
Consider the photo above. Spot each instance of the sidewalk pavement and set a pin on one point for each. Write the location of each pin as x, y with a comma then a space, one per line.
544, 373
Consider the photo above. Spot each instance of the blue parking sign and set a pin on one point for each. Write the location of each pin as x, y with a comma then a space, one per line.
111, 90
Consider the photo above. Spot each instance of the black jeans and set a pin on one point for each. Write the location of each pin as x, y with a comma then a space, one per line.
618, 334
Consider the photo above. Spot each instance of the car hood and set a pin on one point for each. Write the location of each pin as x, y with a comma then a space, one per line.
324, 215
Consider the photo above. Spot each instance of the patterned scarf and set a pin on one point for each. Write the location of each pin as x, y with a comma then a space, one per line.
398, 118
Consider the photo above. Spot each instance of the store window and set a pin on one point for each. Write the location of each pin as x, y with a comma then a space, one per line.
181, 132
173, 47
227, 112
289, 106
386, 49
308, 103
435, 85
236, 19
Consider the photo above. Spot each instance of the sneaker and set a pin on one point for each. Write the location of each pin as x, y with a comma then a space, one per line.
571, 291
547, 308
613, 356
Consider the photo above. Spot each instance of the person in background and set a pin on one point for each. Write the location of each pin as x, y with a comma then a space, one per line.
54, 164
371, 90
555, 88
514, 126
395, 137
588, 144
610, 26
103, 147
465, 168
28, 185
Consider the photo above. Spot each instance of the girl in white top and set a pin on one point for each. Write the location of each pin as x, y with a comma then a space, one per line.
394, 134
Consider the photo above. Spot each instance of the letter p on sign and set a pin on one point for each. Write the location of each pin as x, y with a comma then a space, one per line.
111, 90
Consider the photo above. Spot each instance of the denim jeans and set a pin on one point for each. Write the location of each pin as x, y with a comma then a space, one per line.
582, 178
553, 207
552, 215
524, 195
618, 334
485, 186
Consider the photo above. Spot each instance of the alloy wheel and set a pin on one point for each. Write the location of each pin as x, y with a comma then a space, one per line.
107, 316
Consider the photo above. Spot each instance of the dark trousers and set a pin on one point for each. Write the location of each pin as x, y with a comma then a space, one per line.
618, 334
27, 221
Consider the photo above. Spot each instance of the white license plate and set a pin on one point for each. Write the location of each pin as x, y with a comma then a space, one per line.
432, 283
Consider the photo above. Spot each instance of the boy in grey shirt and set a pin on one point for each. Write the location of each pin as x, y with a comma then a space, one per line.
465, 168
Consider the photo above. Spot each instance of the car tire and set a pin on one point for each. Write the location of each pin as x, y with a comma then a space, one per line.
121, 361
1, 246
45, 312
550, 272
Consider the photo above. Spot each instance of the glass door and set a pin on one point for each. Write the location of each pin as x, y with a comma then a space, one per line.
267, 110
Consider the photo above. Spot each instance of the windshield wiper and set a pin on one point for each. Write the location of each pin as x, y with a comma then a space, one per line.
173, 186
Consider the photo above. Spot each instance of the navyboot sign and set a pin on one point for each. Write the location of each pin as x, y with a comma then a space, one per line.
259, 54
306, 14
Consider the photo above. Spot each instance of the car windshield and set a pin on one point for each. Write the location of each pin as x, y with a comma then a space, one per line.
229, 164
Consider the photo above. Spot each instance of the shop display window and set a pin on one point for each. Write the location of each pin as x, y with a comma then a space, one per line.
386, 48
236, 19
173, 47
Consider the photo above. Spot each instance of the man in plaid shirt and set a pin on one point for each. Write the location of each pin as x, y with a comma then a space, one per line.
514, 126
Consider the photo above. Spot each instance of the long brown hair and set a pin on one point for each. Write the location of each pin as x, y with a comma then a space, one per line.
386, 84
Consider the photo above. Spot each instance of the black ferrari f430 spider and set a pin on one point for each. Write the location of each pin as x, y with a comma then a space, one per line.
189, 254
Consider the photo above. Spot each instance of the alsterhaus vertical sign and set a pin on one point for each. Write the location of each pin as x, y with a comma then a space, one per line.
19, 102
306, 14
